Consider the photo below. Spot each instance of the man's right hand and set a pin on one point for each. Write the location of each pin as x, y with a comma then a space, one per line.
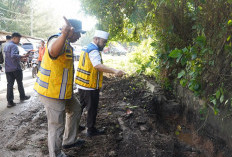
67, 29
56, 47
120, 73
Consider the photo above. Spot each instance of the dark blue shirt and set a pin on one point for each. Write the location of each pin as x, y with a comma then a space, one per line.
12, 57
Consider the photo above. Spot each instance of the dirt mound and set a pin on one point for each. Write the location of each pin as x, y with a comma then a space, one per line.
137, 123
22, 134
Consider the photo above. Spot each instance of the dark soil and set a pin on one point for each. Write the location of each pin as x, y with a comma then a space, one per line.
138, 123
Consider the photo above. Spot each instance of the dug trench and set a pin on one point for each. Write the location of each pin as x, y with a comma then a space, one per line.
137, 123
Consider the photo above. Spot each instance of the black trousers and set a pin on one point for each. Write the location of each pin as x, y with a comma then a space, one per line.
90, 100
11, 77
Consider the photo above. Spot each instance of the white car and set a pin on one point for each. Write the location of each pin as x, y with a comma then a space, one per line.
22, 51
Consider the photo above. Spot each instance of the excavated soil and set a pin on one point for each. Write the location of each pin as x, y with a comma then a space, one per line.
138, 123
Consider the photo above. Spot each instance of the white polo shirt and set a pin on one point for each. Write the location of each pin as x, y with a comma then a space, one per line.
95, 59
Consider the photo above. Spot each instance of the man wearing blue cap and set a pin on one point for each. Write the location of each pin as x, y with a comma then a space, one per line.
54, 85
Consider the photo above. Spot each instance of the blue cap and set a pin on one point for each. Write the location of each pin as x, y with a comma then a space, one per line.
77, 25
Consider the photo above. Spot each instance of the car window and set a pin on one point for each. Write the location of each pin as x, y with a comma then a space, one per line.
28, 46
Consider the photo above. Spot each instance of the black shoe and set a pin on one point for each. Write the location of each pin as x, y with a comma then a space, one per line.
10, 104
25, 98
81, 128
95, 132
64, 154
79, 143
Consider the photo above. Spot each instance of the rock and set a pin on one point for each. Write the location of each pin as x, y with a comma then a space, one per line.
122, 104
172, 109
166, 108
42, 125
141, 120
143, 128
119, 137
151, 87
164, 142
112, 153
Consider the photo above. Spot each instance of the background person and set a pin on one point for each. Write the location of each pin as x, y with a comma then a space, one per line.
41, 52
1, 58
2, 53
89, 77
13, 69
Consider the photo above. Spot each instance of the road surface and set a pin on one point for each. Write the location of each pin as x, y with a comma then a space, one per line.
28, 83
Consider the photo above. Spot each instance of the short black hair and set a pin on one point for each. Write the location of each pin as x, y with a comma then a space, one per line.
8, 37
16, 35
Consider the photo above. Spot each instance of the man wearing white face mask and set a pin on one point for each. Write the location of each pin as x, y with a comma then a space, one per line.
89, 78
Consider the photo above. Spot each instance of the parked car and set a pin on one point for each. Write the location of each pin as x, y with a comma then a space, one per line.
117, 51
29, 47
22, 51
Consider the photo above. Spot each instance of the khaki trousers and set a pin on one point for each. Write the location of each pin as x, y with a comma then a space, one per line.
63, 121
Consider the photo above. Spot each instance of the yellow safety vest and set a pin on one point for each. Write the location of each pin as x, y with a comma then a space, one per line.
86, 75
55, 76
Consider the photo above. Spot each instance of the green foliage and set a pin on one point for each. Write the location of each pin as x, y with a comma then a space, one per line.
175, 54
203, 112
200, 56
143, 60
45, 21
191, 41
15, 16
190, 61
125, 20
218, 99
181, 74
230, 23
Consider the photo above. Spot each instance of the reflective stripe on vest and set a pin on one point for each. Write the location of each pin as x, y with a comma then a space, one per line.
63, 84
82, 80
42, 83
83, 71
83, 62
44, 71
98, 77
